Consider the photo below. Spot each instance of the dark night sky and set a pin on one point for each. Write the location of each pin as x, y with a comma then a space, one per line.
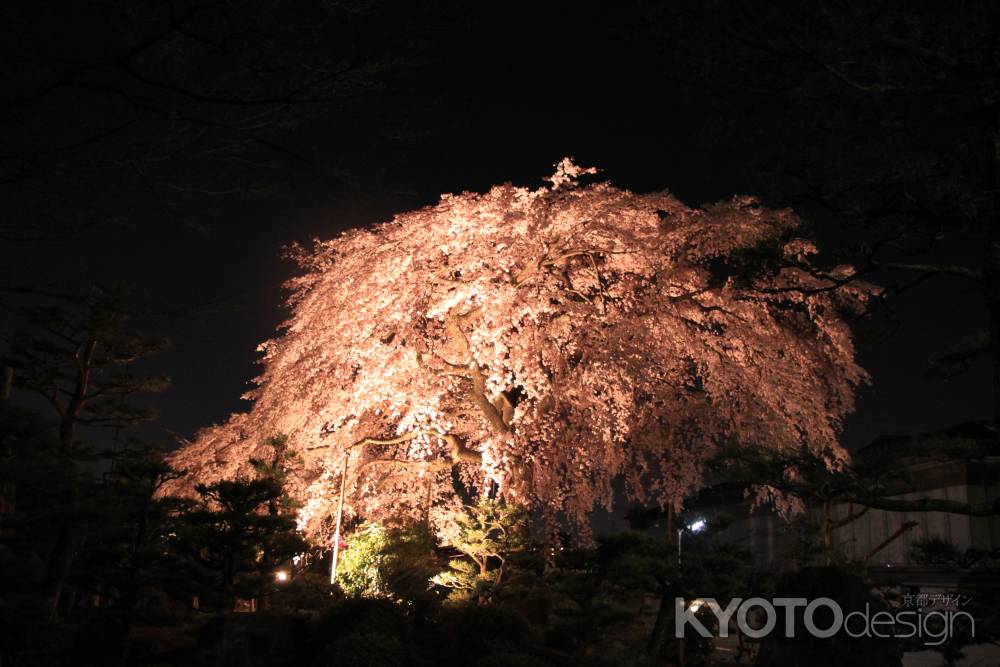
485, 98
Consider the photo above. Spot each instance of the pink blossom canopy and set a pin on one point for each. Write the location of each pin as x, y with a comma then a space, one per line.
547, 342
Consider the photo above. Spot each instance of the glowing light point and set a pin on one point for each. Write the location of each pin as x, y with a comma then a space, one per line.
697, 526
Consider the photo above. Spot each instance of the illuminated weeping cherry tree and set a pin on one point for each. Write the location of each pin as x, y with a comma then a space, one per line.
541, 344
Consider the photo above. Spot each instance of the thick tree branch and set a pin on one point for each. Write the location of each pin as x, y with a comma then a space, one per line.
478, 390
457, 451
902, 530
946, 269
851, 516
927, 505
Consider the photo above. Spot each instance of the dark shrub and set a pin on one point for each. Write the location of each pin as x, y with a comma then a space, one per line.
367, 650
266, 639
485, 629
360, 616
852, 594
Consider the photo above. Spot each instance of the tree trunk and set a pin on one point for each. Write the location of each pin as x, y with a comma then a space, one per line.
663, 615
131, 594
60, 559
827, 534
483, 572
665, 610
58, 566
8, 382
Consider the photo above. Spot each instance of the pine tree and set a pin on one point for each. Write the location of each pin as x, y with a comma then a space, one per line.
78, 357
236, 535
487, 537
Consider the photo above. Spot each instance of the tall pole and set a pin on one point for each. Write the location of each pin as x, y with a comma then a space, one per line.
681, 660
340, 515
343, 483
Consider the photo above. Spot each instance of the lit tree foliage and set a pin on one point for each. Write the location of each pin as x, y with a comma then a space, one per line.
486, 535
394, 563
546, 342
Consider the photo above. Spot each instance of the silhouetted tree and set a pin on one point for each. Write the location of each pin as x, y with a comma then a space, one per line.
79, 359
233, 540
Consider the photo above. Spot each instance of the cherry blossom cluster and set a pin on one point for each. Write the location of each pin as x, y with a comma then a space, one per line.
542, 344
